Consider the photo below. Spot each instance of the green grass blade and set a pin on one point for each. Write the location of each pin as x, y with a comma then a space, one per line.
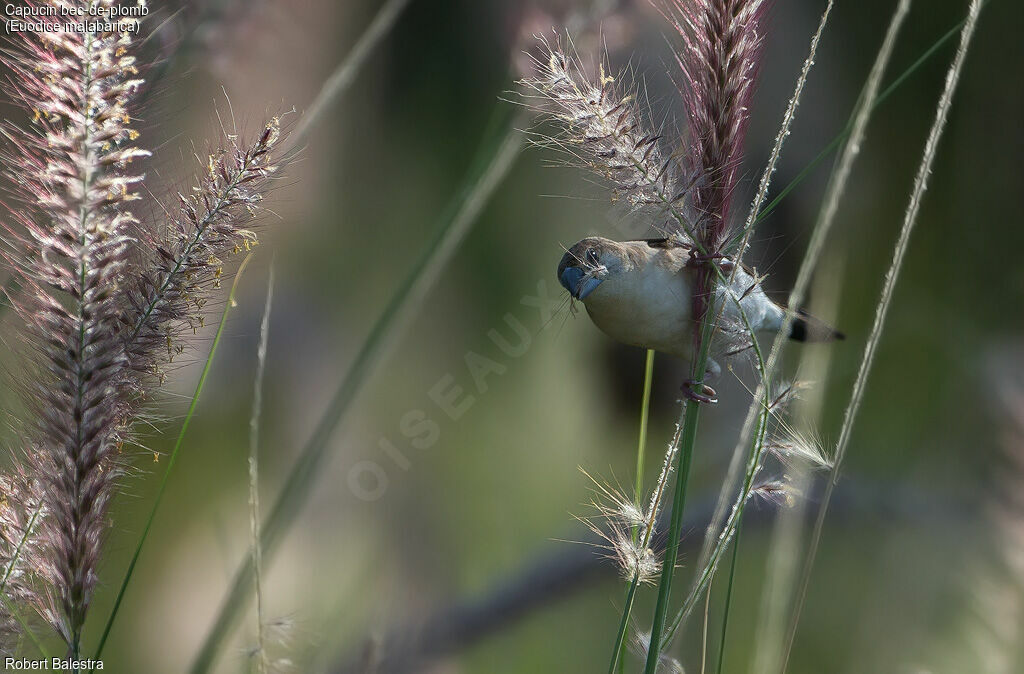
645, 412
170, 462
882, 309
345, 74
686, 443
25, 626
488, 172
881, 98
820, 232
728, 601
254, 476
618, 655
21, 546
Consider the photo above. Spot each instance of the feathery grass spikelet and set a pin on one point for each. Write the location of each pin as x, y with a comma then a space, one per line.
104, 297
721, 48
788, 445
779, 492
626, 531
785, 393
73, 182
604, 129
168, 295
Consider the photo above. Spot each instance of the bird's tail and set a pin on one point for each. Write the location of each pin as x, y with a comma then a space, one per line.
807, 328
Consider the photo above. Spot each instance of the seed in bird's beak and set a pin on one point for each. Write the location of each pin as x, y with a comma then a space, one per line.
577, 283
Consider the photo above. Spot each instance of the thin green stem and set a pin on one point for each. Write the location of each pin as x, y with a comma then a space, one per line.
21, 546
687, 440
25, 626
753, 425
753, 462
689, 436
489, 169
728, 602
833, 144
754, 215
882, 310
254, 476
641, 448
345, 74
618, 655
170, 462
618, 659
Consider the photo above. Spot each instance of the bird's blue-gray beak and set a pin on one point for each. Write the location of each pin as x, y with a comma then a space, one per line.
575, 281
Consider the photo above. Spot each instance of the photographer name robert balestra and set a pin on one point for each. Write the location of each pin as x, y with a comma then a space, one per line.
52, 664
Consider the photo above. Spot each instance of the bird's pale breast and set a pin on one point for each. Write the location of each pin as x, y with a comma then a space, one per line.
647, 307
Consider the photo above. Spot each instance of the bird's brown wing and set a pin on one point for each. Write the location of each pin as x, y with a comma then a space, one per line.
666, 243
670, 243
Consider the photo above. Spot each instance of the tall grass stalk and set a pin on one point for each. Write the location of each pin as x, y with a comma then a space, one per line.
645, 412
754, 424
254, 476
719, 58
882, 310
489, 169
193, 404
728, 599
848, 129
346, 72
787, 532
25, 627
747, 232
756, 215
720, 508
687, 439
618, 655
69, 242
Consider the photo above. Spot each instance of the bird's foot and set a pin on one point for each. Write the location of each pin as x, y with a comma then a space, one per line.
705, 394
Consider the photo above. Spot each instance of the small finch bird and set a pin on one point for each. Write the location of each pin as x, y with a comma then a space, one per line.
639, 293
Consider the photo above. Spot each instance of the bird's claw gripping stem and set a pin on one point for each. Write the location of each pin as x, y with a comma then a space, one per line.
706, 394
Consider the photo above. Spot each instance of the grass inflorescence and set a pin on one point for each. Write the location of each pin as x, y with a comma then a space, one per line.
106, 297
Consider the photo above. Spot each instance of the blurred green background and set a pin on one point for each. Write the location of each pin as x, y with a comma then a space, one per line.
896, 586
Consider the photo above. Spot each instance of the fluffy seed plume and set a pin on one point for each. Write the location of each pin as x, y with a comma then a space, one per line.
789, 445
779, 492
105, 297
626, 531
73, 181
604, 129
187, 260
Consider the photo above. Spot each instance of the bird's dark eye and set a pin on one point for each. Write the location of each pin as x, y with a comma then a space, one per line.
592, 258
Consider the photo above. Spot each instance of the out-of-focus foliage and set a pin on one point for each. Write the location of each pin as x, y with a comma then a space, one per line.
468, 501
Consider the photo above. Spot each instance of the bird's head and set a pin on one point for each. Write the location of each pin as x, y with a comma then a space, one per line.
588, 264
